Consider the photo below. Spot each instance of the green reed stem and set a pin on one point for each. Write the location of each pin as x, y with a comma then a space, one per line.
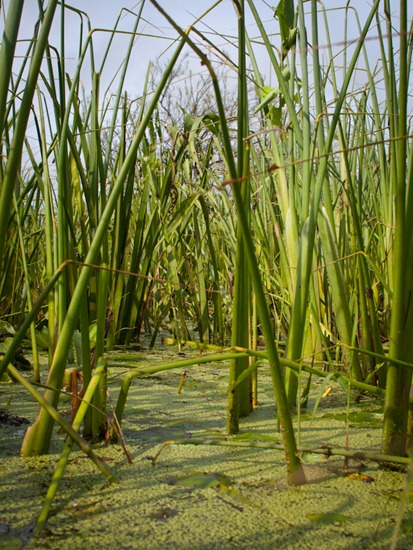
295, 471
39, 434
15, 154
61, 465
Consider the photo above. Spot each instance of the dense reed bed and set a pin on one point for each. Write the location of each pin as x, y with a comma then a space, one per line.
286, 220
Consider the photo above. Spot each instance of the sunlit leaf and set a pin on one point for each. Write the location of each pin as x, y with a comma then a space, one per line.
270, 95
275, 115
284, 12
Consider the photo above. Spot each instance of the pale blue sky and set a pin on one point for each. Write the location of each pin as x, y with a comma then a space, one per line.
221, 20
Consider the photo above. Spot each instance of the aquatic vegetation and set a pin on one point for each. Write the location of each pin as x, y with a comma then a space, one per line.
286, 223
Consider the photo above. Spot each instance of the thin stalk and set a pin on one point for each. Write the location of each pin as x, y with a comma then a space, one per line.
8, 47
28, 287
295, 470
37, 437
308, 233
15, 154
399, 380
61, 465
63, 423
21, 334
99, 423
327, 451
50, 229
239, 401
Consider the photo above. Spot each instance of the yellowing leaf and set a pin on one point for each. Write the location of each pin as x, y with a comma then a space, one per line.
360, 477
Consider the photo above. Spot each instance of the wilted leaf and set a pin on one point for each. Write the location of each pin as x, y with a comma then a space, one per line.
254, 436
162, 433
10, 543
163, 513
284, 12
367, 418
329, 518
6, 328
360, 477
203, 481
312, 458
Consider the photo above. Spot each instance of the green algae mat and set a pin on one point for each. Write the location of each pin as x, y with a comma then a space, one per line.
205, 496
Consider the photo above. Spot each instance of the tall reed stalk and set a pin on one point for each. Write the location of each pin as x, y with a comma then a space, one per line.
240, 398
37, 438
399, 380
295, 470
311, 214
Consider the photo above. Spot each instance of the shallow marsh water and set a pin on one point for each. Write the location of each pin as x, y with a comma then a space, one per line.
203, 497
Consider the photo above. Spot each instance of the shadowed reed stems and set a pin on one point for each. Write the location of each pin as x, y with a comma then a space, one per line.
294, 468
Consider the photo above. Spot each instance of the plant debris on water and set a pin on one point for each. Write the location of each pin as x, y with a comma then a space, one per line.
203, 496
249, 197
